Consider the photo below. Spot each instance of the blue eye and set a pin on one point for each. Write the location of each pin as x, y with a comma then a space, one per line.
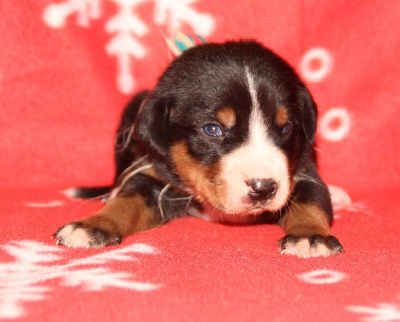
213, 130
287, 128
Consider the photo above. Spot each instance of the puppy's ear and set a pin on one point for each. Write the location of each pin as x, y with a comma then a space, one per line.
152, 125
309, 114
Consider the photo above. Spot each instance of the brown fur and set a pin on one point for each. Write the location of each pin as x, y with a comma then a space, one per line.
281, 116
123, 216
227, 117
196, 176
305, 220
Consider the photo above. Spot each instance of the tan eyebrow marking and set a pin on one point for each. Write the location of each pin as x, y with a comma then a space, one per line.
227, 117
281, 116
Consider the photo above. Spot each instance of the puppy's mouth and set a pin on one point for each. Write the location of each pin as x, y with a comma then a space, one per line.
249, 214
255, 210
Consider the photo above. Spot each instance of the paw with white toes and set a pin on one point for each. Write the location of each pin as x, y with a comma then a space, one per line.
77, 235
312, 246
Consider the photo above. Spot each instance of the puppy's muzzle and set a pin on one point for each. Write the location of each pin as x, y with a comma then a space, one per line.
262, 189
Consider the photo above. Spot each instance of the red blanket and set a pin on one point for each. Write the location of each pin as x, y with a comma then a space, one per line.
67, 67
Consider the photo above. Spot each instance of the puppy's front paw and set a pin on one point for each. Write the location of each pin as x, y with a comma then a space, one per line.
312, 246
79, 235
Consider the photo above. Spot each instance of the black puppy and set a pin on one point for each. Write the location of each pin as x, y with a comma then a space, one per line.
227, 134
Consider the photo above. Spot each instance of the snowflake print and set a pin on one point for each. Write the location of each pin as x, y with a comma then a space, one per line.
384, 312
56, 14
127, 28
23, 279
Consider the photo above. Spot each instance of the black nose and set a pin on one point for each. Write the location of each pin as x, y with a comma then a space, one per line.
262, 189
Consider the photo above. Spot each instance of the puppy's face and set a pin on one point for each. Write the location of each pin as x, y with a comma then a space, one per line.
231, 120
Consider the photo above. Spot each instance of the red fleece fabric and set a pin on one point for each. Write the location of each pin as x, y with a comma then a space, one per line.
66, 70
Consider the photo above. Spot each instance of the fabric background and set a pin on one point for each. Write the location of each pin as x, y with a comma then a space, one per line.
66, 70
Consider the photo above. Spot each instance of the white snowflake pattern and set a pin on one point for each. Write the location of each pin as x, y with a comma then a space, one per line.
174, 12
384, 312
124, 45
127, 28
55, 15
37, 263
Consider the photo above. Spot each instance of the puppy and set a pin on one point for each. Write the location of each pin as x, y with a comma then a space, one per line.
227, 134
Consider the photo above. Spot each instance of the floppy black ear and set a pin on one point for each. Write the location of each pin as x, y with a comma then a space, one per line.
152, 125
309, 114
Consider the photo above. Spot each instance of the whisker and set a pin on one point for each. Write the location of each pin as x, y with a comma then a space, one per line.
292, 201
133, 165
130, 130
159, 201
304, 177
129, 176
319, 150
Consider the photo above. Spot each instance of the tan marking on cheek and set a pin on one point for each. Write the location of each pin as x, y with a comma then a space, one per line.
227, 117
281, 116
203, 180
306, 220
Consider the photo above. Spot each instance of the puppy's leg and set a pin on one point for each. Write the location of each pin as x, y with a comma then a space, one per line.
307, 222
133, 210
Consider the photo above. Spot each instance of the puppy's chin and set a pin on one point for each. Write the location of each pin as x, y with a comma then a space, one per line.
213, 214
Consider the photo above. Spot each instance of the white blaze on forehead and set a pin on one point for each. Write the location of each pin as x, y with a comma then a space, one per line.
252, 89
257, 158
257, 127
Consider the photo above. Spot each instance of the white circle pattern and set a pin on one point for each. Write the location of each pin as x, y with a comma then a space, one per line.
322, 276
321, 56
339, 132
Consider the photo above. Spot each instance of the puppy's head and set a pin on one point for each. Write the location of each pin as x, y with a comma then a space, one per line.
231, 121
